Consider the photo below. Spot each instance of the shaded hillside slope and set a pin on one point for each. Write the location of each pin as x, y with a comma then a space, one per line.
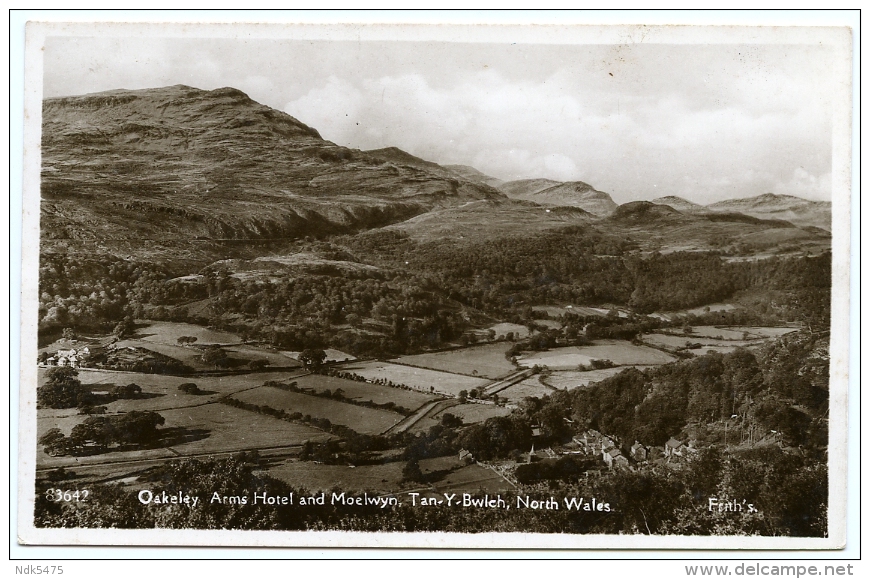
179, 164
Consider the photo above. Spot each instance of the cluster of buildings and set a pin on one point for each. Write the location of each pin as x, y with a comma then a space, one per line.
72, 357
593, 443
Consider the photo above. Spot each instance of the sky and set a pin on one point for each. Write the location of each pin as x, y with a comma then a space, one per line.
639, 121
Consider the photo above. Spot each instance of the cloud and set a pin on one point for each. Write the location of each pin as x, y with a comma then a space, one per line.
705, 122
630, 146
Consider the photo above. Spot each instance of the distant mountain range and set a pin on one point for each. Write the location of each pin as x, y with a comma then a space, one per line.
768, 206
189, 175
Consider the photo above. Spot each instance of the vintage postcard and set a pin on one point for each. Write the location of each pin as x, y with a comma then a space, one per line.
435, 286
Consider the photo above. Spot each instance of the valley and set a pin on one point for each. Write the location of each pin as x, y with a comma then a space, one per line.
222, 288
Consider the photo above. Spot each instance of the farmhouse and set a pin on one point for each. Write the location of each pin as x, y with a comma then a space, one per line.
639, 452
614, 457
674, 447
465, 456
72, 357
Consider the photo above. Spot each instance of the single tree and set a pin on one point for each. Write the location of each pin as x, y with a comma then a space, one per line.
312, 358
62, 389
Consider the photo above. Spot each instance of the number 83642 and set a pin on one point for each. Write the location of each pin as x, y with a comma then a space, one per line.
67, 496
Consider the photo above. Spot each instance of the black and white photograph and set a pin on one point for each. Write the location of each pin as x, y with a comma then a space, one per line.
435, 286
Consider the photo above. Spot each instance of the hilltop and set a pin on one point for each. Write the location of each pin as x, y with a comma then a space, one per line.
146, 169
573, 193
786, 207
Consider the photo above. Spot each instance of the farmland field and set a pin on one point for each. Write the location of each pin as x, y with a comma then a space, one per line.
502, 329
669, 341
528, 387
274, 357
765, 332
410, 399
169, 332
205, 429
473, 478
714, 332
487, 360
568, 380
419, 378
331, 355
191, 356
472, 413
361, 419
163, 390
617, 351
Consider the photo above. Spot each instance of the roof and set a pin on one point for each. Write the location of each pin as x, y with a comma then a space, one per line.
614, 452
636, 446
673, 443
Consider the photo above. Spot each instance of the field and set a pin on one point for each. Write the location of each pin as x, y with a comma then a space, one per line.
669, 341
617, 351
501, 330
472, 413
410, 399
169, 332
765, 332
714, 332
556, 311
471, 479
487, 361
568, 380
249, 353
419, 378
331, 355
211, 428
162, 391
190, 355
359, 418
528, 387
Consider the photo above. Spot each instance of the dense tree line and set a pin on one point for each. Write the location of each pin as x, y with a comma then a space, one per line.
783, 388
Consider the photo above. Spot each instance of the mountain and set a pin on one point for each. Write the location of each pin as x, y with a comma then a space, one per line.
785, 207
525, 187
680, 204
399, 157
472, 174
573, 194
138, 171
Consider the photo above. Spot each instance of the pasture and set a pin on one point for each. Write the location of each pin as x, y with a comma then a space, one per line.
473, 413
528, 387
410, 399
359, 418
418, 378
568, 380
765, 332
161, 392
501, 330
232, 429
487, 361
190, 355
249, 353
206, 429
169, 332
331, 355
619, 352
472, 479
714, 332
670, 341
